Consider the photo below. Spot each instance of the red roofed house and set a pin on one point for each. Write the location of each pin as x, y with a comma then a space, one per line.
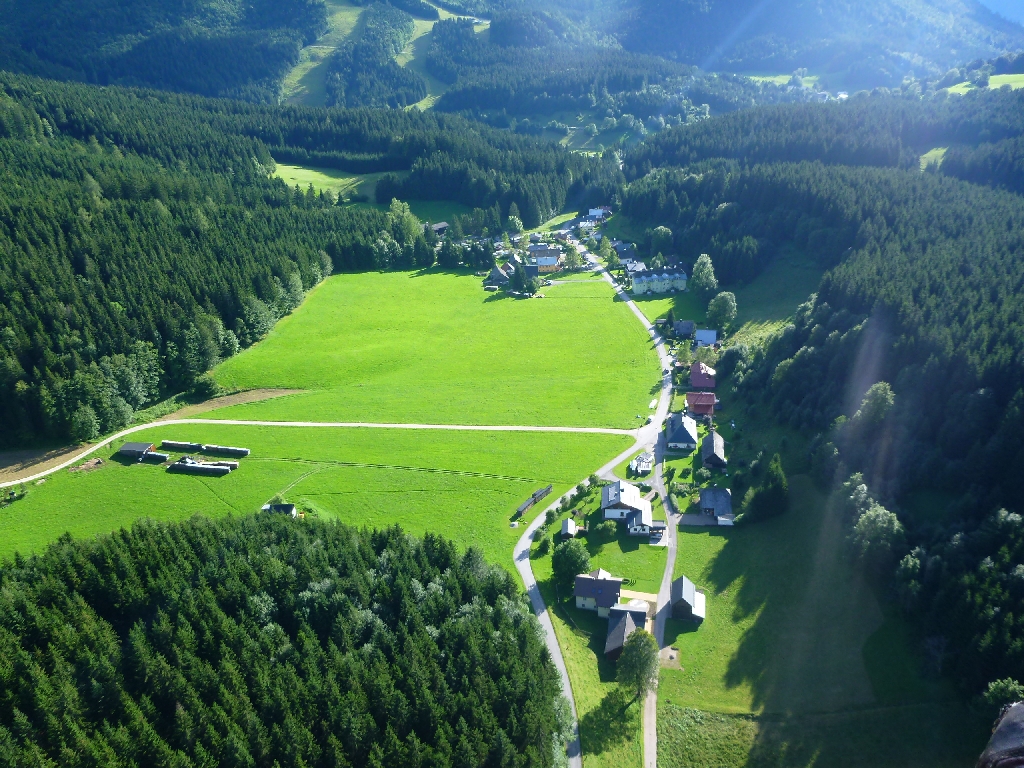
702, 376
701, 403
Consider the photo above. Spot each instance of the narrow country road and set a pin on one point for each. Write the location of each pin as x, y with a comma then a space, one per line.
314, 424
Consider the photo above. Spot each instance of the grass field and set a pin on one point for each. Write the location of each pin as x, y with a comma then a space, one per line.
465, 485
433, 347
306, 83
933, 157
995, 81
796, 637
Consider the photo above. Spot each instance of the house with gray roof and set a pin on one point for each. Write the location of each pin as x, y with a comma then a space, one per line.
619, 631
717, 502
620, 498
681, 433
687, 601
597, 591
684, 329
712, 451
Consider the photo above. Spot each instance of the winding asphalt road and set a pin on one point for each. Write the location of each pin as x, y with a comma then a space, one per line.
647, 436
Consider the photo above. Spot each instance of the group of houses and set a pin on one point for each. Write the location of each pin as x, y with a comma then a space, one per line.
687, 330
601, 592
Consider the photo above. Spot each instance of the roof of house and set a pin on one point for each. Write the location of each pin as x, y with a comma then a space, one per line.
600, 585
684, 327
636, 608
440, 226
619, 631
623, 494
717, 499
569, 527
635, 266
708, 337
640, 517
704, 372
681, 429
137, 447
280, 509
700, 398
684, 590
712, 445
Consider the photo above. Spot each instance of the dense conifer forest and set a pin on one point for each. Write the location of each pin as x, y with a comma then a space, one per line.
212, 47
143, 240
261, 641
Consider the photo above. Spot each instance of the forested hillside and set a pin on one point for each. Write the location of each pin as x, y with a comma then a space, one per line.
364, 73
260, 641
921, 299
143, 239
222, 48
868, 43
882, 130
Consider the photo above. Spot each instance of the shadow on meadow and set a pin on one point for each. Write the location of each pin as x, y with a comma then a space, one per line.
603, 725
836, 684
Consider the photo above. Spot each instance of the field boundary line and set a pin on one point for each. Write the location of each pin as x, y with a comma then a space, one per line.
315, 425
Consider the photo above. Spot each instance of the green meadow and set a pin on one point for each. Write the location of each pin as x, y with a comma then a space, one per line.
306, 83
797, 662
434, 347
464, 485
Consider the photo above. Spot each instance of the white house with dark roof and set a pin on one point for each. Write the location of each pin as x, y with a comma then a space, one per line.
620, 498
681, 433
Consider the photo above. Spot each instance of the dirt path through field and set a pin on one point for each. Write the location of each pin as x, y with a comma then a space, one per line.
238, 398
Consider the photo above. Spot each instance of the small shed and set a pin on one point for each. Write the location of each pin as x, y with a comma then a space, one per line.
281, 509
569, 528
135, 451
712, 451
687, 601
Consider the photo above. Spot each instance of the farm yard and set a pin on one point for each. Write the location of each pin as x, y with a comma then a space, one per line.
465, 485
431, 347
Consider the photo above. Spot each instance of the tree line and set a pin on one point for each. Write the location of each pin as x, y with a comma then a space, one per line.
259, 641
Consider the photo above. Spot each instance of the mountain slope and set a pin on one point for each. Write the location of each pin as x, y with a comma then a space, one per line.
871, 42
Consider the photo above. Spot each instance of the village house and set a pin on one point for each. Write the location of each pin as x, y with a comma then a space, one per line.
659, 281
620, 499
597, 591
639, 523
500, 275
569, 529
440, 228
684, 329
623, 621
706, 338
702, 376
642, 464
681, 433
281, 509
701, 403
712, 451
717, 502
687, 601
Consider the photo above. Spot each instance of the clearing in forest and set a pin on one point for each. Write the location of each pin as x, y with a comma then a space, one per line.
306, 83
463, 485
433, 347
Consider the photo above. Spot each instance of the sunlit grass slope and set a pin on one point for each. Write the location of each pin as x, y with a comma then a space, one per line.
436, 348
464, 485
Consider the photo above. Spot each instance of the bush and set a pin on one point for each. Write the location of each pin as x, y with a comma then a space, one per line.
549, 518
1003, 692
878, 539
544, 547
771, 497
84, 424
607, 530
204, 388
702, 475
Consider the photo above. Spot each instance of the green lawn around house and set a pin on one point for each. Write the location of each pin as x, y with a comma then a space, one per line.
796, 663
434, 347
464, 485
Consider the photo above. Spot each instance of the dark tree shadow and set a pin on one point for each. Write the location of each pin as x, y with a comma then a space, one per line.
603, 725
